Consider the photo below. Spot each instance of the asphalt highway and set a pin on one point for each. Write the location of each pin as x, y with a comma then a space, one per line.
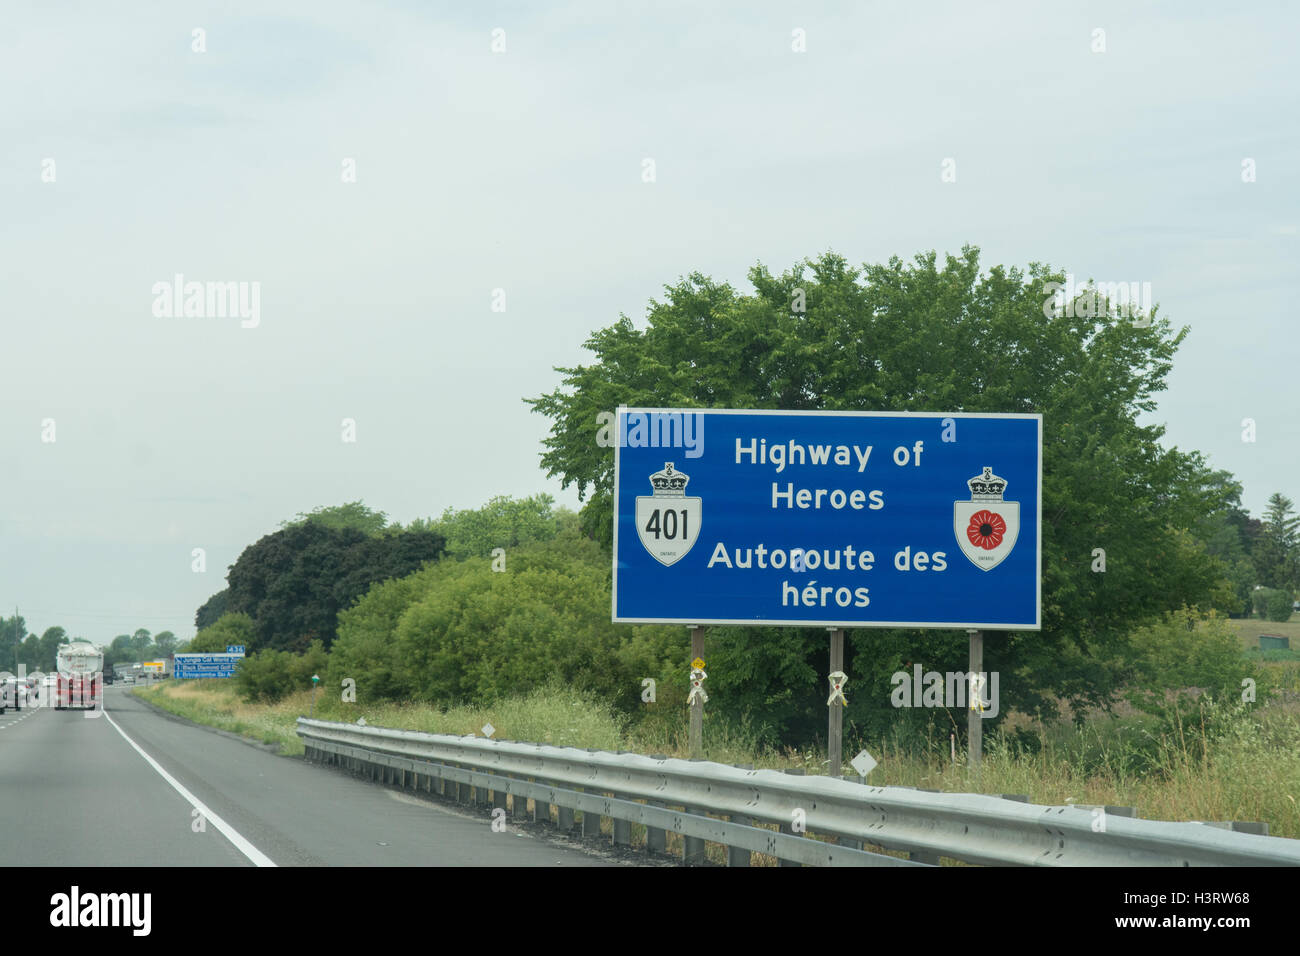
132, 787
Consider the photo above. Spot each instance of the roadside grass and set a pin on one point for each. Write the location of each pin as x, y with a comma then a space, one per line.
1250, 628
558, 716
215, 704
1229, 764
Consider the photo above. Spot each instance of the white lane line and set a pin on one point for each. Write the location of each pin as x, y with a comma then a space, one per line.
257, 857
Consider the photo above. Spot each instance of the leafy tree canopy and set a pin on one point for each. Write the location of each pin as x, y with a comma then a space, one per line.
350, 515
458, 631
294, 582
212, 609
503, 522
228, 629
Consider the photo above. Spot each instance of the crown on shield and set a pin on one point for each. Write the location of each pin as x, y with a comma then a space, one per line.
986, 487
669, 483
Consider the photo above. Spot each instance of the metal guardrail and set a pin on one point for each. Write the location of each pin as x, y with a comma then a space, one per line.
971, 828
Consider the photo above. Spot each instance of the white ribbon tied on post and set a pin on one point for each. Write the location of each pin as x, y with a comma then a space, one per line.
977, 692
697, 687
838, 679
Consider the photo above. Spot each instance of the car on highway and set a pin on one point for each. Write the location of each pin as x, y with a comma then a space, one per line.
16, 692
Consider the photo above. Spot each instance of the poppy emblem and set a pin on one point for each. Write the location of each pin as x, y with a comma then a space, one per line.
987, 525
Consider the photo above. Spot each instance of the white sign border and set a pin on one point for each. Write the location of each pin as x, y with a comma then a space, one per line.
624, 410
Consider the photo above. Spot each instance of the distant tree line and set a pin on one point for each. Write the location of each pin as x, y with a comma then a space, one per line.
41, 653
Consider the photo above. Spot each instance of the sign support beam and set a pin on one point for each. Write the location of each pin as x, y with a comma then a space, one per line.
835, 732
974, 720
697, 705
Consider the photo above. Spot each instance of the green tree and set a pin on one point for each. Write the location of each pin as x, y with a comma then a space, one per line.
1277, 556
925, 337
119, 651
1278, 607
353, 514
29, 653
270, 675
293, 583
50, 641
141, 644
212, 609
458, 631
1179, 658
503, 522
365, 650
1225, 533
164, 643
230, 628
13, 631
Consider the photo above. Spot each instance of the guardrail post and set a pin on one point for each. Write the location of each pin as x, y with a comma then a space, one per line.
564, 818
541, 811
692, 847
737, 856
622, 828
590, 823
519, 804
656, 838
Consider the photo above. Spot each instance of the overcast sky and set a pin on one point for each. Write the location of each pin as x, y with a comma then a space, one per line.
522, 170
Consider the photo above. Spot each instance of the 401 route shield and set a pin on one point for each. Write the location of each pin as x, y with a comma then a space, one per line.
841, 519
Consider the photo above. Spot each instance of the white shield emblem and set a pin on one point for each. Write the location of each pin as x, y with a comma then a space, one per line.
668, 522
986, 526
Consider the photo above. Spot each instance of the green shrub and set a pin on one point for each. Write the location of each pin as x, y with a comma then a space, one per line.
1278, 606
459, 632
1262, 599
269, 675
1182, 663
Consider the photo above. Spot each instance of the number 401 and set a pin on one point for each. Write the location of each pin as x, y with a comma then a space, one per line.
667, 527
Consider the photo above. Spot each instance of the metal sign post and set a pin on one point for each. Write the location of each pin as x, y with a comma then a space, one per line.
837, 702
697, 696
314, 681
974, 720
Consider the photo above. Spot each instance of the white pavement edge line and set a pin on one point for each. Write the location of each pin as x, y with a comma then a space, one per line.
257, 857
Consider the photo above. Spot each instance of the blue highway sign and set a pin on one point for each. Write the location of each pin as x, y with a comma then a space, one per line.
204, 665
837, 519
